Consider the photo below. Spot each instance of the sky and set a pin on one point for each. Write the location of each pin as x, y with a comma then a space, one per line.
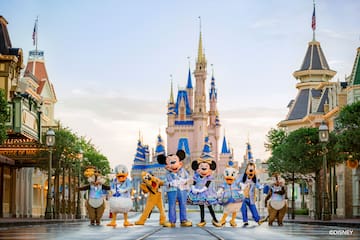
110, 61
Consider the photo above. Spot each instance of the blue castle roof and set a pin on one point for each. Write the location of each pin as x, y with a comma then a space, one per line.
207, 149
213, 92
189, 82
160, 148
248, 155
140, 153
225, 148
182, 96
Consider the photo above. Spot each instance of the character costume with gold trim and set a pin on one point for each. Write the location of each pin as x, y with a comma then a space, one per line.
151, 186
277, 205
95, 205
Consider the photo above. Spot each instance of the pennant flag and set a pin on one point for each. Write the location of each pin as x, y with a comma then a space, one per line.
34, 33
313, 22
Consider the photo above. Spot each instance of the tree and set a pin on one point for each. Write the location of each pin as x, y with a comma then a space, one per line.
275, 138
3, 116
299, 153
348, 129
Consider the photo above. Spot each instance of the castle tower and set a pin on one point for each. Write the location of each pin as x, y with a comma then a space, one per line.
214, 121
200, 115
313, 98
248, 157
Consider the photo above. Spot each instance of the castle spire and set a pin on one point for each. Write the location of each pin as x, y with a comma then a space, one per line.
201, 55
171, 91
189, 81
213, 94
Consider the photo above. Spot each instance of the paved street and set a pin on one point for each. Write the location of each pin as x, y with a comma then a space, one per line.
152, 231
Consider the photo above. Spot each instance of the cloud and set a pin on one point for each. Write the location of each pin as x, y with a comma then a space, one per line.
113, 124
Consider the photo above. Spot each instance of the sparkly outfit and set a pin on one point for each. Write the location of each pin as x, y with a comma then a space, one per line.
231, 197
208, 194
177, 187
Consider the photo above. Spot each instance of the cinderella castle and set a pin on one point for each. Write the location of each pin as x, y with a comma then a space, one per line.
190, 126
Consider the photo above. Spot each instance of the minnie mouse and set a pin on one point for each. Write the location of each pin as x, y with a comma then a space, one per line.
203, 192
176, 185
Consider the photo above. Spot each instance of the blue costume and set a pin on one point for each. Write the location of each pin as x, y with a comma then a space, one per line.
177, 188
231, 193
249, 198
204, 191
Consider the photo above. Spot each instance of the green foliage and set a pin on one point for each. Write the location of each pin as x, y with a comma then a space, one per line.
348, 129
3, 116
275, 138
67, 150
299, 152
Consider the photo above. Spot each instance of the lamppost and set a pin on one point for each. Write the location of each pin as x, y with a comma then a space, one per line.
50, 141
78, 212
324, 138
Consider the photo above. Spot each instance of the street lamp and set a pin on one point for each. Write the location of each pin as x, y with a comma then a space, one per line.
50, 141
78, 212
324, 138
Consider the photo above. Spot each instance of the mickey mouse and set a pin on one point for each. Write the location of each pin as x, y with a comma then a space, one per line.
203, 192
176, 185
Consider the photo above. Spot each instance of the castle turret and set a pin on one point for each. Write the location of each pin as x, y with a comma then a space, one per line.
171, 110
160, 147
225, 156
214, 121
200, 114
313, 89
190, 90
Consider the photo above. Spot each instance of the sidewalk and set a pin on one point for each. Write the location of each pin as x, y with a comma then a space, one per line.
17, 222
340, 222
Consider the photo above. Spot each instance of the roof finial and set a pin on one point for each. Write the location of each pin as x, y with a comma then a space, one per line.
171, 90
188, 61
212, 70
200, 22
313, 22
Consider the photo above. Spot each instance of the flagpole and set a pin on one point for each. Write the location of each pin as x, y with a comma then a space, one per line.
313, 22
36, 35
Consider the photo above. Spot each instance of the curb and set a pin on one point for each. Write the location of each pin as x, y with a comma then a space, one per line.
325, 223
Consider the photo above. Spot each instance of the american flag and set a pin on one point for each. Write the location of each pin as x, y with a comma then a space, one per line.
34, 33
313, 22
